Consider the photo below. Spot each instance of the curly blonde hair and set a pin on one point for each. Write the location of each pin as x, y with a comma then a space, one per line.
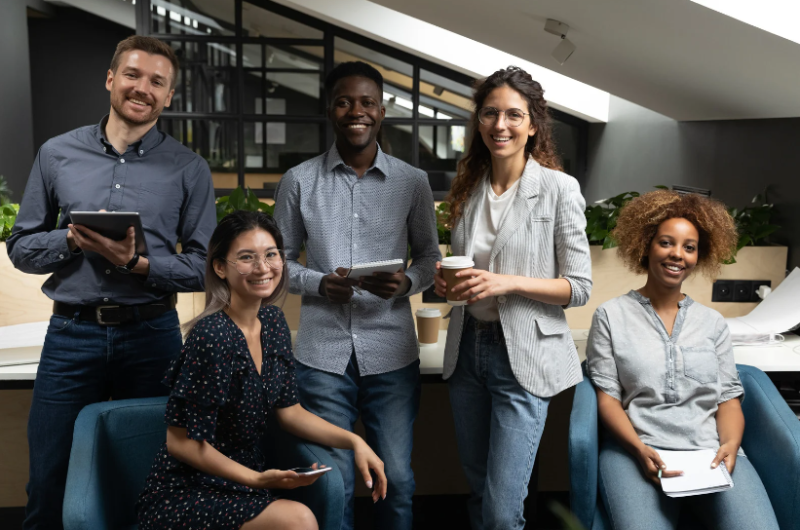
639, 220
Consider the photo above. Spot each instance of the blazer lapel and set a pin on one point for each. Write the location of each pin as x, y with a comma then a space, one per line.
520, 209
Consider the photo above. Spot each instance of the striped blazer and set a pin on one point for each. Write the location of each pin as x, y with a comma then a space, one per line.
543, 236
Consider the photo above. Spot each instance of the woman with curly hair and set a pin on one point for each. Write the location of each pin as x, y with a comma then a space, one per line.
664, 372
509, 349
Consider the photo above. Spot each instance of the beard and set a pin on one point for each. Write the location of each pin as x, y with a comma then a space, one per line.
118, 104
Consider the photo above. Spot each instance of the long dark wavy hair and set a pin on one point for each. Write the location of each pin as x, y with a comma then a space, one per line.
218, 294
478, 160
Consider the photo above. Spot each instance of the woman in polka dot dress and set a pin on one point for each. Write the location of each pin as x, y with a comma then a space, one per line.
236, 369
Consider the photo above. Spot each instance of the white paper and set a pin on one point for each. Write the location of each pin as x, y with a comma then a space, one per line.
23, 335
698, 476
777, 313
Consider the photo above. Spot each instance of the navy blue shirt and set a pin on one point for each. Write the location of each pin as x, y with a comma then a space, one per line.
168, 184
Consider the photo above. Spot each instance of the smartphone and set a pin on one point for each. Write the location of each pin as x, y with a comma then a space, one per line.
308, 471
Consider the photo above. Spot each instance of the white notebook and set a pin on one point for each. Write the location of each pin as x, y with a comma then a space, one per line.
698, 476
368, 269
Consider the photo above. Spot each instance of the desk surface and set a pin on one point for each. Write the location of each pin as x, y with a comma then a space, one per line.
784, 357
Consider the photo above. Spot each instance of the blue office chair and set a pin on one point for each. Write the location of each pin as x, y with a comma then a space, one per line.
771, 442
113, 448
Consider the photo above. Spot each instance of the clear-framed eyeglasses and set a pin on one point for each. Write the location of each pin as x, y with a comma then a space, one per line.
246, 263
489, 116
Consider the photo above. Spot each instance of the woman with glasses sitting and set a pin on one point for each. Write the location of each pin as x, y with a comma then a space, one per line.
509, 349
235, 370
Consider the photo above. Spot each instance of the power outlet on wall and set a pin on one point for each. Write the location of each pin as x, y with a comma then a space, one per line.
737, 290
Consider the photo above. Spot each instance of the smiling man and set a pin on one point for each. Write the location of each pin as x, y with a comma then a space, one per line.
114, 328
357, 351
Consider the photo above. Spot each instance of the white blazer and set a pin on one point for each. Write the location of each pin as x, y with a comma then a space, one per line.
542, 236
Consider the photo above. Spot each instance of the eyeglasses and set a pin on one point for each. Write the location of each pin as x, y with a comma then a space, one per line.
489, 116
246, 263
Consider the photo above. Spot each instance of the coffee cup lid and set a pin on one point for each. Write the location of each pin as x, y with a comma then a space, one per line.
428, 312
457, 262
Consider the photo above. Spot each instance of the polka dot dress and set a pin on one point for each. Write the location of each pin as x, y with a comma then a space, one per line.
218, 396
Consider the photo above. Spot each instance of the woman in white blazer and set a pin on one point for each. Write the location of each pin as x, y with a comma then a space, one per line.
509, 349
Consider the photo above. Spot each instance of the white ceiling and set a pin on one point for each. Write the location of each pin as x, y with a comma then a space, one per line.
672, 56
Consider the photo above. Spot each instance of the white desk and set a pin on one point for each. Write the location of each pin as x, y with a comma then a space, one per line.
784, 357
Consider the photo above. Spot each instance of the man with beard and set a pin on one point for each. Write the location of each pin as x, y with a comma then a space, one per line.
358, 353
114, 328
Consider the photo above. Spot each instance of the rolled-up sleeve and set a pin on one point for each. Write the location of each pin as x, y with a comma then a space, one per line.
423, 238
302, 280
572, 245
185, 272
730, 385
600, 357
35, 245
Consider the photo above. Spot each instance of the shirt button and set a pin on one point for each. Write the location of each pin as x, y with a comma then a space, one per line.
108, 271
355, 215
141, 151
502, 299
105, 150
355, 336
105, 299
121, 160
117, 186
61, 256
354, 305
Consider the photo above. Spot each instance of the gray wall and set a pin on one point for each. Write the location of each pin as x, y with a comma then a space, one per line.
638, 149
16, 127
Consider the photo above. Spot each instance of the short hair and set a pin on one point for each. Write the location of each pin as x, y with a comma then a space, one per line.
352, 69
150, 45
639, 220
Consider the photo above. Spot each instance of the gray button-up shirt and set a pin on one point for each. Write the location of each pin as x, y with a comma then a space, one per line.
670, 386
343, 221
168, 184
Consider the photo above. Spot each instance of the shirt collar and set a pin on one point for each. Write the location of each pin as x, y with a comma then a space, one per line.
639, 297
150, 140
381, 162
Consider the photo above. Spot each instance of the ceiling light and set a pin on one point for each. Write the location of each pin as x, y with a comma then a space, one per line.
438, 90
778, 17
565, 48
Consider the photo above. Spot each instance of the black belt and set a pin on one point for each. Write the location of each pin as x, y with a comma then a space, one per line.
113, 315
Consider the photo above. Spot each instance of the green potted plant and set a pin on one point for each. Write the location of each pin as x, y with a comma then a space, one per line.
241, 199
755, 223
8, 210
443, 226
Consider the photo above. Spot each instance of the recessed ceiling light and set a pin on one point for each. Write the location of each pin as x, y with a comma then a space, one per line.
778, 17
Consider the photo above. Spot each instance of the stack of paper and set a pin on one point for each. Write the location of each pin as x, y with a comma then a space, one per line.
698, 476
22, 343
779, 312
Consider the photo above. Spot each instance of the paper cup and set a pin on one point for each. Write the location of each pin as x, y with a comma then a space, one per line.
450, 266
428, 320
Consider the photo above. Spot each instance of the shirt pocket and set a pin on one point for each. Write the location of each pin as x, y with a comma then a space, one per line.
700, 364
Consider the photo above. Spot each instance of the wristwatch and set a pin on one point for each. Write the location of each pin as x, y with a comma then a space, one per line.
128, 267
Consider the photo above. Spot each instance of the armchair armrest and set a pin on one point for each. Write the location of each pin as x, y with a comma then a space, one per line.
583, 453
326, 496
772, 443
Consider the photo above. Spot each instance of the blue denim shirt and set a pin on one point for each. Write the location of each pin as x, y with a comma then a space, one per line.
669, 385
168, 184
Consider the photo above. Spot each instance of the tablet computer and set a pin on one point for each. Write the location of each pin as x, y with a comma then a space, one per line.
368, 269
113, 225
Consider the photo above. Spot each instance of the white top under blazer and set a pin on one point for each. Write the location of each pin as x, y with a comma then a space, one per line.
543, 235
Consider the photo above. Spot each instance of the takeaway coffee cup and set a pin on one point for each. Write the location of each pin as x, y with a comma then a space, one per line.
428, 319
450, 266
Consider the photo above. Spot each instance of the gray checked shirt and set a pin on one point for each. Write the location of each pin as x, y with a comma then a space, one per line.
670, 386
343, 221
168, 184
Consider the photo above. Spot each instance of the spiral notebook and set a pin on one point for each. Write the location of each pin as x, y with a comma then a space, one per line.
698, 476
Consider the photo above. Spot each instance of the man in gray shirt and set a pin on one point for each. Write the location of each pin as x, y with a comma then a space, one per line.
356, 345
114, 328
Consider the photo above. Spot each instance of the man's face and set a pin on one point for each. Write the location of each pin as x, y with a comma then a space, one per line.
141, 87
356, 111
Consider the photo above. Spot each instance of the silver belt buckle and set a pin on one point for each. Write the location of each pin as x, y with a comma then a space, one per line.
99, 313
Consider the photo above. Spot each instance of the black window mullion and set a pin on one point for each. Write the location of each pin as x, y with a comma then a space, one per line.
415, 114
329, 136
239, 106
263, 124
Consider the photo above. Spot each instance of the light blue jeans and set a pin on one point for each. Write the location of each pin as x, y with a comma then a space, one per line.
498, 428
633, 502
388, 404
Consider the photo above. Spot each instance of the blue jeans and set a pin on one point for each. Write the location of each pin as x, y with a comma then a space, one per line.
633, 502
498, 428
83, 363
388, 404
